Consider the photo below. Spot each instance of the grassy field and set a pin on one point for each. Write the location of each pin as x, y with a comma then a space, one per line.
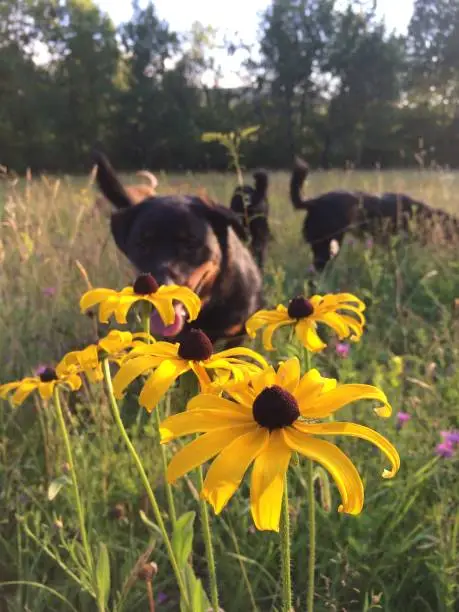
400, 554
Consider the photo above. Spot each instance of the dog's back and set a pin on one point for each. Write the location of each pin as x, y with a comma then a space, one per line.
251, 205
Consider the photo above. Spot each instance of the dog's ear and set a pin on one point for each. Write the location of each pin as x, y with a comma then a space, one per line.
109, 183
220, 218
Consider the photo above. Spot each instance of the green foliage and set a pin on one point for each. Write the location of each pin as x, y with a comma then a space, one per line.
329, 81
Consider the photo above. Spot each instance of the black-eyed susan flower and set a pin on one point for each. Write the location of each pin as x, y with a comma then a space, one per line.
117, 342
86, 360
305, 313
268, 419
113, 347
44, 384
169, 302
169, 361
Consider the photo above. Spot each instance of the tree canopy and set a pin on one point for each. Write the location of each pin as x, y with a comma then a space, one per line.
328, 81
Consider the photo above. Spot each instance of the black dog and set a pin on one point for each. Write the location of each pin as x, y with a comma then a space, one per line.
332, 214
251, 205
183, 240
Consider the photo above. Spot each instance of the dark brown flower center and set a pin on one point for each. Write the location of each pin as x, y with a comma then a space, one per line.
275, 408
299, 308
195, 346
145, 284
48, 375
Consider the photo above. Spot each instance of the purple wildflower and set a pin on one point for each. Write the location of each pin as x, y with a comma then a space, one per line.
41, 367
49, 291
161, 598
445, 450
342, 349
369, 243
402, 418
450, 437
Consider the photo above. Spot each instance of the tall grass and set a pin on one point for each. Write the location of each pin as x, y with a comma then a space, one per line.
399, 554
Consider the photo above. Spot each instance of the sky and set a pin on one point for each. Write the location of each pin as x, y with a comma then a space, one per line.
240, 16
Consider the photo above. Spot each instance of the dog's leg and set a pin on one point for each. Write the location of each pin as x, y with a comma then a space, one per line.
321, 252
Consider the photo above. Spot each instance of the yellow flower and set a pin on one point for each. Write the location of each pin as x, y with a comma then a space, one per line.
169, 361
168, 300
116, 342
44, 384
86, 360
114, 345
265, 422
304, 314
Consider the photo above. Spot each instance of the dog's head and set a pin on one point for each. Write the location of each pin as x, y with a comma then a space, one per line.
179, 240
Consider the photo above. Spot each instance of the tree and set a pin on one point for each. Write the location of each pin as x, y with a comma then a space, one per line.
366, 65
83, 61
293, 46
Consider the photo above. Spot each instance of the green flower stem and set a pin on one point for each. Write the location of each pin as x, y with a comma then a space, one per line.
285, 552
312, 521
76, 492
146, 484
146, 312
312, 537
204, 512
169, 495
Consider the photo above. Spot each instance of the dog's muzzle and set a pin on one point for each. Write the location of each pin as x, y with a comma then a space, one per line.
201, 282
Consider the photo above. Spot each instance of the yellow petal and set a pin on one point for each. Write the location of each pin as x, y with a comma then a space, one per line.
334, 461
207, 401
357, 431
268, 332
333, 400
267, 485
160, 381
164, 306
46, 389
115, 341
243, 395
244, 352
355, 326
158, 351
311, 385
124, 304
288, 374
7, 387
203, 449
185, 295
201, 374
129, 371
95, 296
227, 470
73, 381
335, 321
198, 421
24, 390
266, 378
305, 330
266, 317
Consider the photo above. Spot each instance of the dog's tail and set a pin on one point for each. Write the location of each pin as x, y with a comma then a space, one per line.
261, 183
109, 183
299, 174
151, 178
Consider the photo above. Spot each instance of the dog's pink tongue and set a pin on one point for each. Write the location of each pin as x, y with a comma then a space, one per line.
157, 327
